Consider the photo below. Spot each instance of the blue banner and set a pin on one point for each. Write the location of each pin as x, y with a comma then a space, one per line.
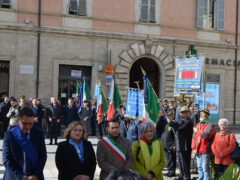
211, 100
135, 102
188, 75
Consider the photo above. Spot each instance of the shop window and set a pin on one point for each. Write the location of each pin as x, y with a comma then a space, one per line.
78, 7
211, 14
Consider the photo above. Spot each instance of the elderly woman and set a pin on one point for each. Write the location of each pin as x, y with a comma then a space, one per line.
222, 147
75, 157
149, 158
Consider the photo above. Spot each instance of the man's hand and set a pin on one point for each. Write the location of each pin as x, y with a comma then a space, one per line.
82, 177
149, 176
58, 120
32, 178
50, 119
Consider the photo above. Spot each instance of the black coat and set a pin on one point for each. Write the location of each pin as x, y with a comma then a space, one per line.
68, 163
168, 137
184, 132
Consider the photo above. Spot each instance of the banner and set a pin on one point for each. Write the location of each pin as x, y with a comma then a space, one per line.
135, 102
211, 100
188, 75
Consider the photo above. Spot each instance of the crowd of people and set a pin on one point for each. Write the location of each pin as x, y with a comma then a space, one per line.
183, 133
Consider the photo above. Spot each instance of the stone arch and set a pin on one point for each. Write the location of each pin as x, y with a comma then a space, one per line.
156, 52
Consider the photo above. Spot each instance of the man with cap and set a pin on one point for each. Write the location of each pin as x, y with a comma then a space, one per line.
201, 144
168, 139
184, 131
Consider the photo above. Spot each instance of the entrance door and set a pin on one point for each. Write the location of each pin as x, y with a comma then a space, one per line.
69, 76
4, 78
152, 70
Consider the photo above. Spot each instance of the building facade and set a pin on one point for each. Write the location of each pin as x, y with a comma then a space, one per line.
47, 46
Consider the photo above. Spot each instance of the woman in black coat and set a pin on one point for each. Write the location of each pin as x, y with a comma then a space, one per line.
75, 158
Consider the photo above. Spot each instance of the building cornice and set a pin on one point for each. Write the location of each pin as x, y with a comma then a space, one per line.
114, 35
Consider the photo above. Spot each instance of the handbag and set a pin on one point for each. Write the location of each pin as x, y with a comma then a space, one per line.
235, 155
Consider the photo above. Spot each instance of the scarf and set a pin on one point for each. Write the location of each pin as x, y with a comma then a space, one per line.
224, 132
148, 142
206, 120
79, 148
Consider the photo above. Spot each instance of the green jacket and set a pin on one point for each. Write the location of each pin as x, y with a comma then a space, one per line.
231, 173
144, 162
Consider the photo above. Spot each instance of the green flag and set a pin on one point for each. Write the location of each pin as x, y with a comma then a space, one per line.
104, 102
152, 106
117, 98
86, 91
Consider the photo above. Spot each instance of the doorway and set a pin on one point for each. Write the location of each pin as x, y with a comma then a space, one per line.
69, 76
152, 70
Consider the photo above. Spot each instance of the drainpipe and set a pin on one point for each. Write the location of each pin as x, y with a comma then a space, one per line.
38, 45
236, 64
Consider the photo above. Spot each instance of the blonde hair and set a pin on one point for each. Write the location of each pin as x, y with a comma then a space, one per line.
71, 126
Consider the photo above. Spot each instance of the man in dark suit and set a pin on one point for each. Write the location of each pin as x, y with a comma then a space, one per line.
4, 108
184, 131
70, 113
168, 139
24, 150
38, 113
54, 115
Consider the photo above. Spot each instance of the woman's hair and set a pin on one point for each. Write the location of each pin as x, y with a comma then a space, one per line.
146, 125
71, 126
224, 120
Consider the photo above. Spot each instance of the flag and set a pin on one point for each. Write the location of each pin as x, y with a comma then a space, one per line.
151, 101
83, 94
79, 92
115, 100
86, 91
97, 92
102, 106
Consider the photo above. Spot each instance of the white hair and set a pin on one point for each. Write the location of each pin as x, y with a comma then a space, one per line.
145, 125
223, 120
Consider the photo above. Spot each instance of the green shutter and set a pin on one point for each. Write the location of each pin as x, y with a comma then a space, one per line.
82, 7
219, 14
152, 11
200, 13
144, 11
73, 8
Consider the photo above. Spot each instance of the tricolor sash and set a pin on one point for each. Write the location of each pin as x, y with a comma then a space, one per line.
25, 144
115, 148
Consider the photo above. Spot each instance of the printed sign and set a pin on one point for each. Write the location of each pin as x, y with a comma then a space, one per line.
188, 75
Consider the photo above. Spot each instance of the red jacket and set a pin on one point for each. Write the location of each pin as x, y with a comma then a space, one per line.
201, 142
222, 147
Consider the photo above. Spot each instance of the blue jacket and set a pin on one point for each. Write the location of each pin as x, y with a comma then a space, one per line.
13, 155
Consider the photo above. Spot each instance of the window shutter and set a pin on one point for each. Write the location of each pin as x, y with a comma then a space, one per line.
144, 11
82, 7
152, 11
5, 3
200, 13
73, 8
219, 14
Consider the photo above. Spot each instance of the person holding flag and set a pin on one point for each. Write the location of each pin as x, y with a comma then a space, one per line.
113, 151
184, 131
